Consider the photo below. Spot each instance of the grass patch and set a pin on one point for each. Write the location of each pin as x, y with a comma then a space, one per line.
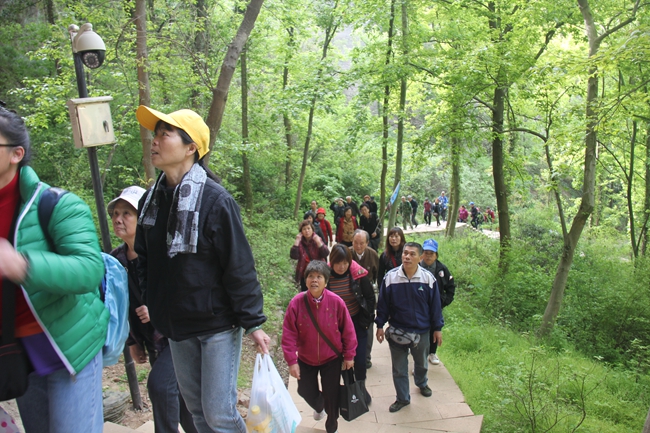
520, 385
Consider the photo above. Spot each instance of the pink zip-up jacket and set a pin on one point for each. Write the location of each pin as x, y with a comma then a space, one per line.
300, 339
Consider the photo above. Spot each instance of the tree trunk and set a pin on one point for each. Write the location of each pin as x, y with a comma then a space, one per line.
143, 85
556, 190
329, 34
401, 114
630, 184
384, 119
285, 116
588, 183
246, 176
646, 204
200, 47
454, 189
500, 187
50, 12
220, 92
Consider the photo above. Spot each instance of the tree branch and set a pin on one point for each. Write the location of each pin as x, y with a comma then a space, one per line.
622, 24
486, 104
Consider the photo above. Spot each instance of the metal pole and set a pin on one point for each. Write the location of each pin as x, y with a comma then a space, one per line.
94, 164
129, 365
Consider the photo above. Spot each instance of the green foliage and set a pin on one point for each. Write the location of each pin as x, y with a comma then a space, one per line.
520, 386
271, 240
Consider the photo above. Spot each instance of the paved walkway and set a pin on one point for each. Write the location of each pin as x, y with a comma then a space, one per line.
445, 411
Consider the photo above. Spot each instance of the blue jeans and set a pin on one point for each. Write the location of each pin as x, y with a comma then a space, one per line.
61, 403
166, 401
206, 369
399, 357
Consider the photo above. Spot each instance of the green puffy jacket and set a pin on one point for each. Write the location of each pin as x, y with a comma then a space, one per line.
62, 287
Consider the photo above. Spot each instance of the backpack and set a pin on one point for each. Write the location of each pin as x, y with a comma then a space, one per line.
113, 289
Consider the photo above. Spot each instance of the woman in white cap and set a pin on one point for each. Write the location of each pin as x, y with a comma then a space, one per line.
197, 270
144, 341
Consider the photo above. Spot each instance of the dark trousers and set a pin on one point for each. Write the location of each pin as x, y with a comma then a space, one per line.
328, 398
413, 221
427, 218
360, 357
437, 218
167, 403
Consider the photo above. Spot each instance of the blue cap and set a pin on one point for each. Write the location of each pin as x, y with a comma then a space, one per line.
430, 245
471, 203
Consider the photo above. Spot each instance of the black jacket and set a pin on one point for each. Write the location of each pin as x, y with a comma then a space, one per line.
338, 212
370, 225
142, 334
446, 283
372, 206
386, 264
213, 290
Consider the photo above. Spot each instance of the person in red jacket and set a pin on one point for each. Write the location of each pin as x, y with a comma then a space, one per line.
307, 354
308, 247
325, 226
462, 214
347, 224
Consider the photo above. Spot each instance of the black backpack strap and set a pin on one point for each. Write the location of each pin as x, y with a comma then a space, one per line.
313, 319
46, 203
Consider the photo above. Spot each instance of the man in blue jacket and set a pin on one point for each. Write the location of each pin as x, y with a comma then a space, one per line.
409, 297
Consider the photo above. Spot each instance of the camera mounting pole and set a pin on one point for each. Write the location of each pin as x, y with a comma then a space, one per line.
89, 49
75, 38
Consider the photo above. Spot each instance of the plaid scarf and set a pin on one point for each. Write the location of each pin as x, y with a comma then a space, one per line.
183, 223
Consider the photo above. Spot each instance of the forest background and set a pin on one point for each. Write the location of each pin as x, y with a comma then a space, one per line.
538, 109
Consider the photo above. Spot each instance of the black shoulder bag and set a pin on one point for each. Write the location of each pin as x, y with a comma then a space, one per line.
313, 320
352, 398
14, 363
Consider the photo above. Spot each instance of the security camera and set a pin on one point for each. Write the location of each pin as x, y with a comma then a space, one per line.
88, 45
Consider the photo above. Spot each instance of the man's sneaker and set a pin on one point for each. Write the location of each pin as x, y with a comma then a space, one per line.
319, 415
398, 405
433, 359
426, 391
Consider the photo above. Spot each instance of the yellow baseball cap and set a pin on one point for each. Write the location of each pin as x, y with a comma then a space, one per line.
187, 120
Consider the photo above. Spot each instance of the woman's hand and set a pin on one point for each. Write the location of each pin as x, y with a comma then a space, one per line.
298, 239
143, 314
137, 353
347, 365
294, 371
13, 265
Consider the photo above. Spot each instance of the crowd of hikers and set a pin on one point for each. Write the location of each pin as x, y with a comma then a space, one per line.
194, 293
475, 215
352, 292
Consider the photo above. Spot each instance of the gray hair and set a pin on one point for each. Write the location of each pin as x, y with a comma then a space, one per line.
360, 231
318, 267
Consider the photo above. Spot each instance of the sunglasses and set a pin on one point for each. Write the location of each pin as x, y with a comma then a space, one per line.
8, 145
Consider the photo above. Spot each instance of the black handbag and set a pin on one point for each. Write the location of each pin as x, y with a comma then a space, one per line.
14, 363
352, 397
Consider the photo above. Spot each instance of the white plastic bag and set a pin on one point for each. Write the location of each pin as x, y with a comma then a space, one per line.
271, 408
258, 419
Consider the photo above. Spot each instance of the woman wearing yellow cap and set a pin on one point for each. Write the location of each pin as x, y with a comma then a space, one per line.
197, 270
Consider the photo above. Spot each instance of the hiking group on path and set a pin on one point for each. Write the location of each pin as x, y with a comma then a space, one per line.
194, 291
